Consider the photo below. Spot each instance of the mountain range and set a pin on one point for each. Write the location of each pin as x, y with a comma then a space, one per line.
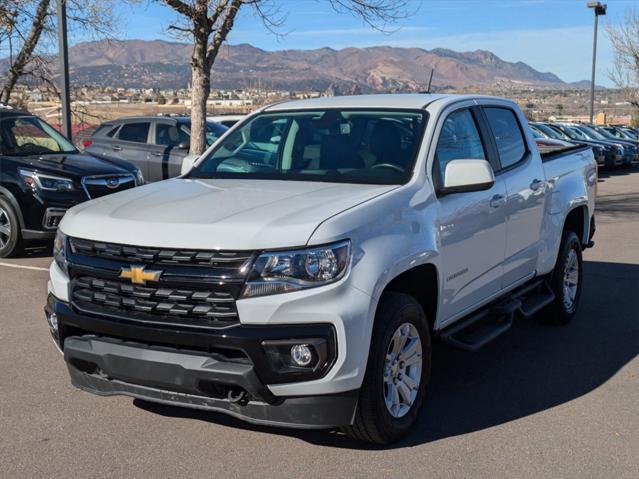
162, 64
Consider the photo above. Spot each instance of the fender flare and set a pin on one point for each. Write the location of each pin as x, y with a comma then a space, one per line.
7, 194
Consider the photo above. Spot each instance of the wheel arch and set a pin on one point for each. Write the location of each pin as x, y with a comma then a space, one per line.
578, 221
422, 283
10, 197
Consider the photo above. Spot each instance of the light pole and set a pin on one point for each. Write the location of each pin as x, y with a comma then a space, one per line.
600, 9
64, 68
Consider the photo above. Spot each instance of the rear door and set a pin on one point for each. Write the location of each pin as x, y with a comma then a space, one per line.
132, 144
101, 142
471, 225
522, 172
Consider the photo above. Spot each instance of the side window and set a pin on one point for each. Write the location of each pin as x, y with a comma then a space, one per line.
136, 132
459, 139
170, 135
508, 137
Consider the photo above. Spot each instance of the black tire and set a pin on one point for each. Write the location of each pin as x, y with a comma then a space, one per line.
10, 237
373, 420
559, 312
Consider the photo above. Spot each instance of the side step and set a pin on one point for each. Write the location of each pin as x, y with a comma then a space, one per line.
480, 328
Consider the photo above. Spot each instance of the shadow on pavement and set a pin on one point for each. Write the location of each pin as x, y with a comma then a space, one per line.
528, 370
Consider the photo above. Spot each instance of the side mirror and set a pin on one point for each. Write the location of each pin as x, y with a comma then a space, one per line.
187, 163
467, 175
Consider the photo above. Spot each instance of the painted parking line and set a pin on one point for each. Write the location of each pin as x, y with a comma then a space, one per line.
22, 266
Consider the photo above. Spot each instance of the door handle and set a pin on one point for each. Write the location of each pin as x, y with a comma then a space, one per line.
116, 148
497, 200
159, 155
536, 184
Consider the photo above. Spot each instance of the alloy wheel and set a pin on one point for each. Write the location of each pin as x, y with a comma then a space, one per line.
402, 370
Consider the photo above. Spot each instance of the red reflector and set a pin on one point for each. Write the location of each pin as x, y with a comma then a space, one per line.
87, 143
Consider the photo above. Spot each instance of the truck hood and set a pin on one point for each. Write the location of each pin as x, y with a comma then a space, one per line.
216, 214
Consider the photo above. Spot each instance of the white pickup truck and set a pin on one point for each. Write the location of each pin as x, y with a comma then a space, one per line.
297, 274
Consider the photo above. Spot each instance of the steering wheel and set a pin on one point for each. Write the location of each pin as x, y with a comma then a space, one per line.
389, 165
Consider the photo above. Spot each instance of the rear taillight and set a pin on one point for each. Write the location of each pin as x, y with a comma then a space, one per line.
87, 143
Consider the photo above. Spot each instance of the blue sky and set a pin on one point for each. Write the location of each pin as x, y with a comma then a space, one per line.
549, 35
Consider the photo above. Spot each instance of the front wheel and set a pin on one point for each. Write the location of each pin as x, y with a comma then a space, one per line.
10, 238
565, 282
397, 373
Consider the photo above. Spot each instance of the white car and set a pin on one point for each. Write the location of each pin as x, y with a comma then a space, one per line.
297, 274
226, 120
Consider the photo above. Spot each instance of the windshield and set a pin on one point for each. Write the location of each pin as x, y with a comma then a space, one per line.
552, 133
574, 133
590, 133
332, 145
28, 135
213, 131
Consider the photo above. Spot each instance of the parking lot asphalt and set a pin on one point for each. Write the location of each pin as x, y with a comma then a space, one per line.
539, 401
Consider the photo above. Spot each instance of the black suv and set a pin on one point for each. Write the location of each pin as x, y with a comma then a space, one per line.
155, 144
42, 175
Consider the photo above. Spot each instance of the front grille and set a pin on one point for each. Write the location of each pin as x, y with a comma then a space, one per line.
197, 306
98, 186
145, 255
194, 288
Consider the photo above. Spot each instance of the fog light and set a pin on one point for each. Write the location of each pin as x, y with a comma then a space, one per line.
52, 319
301, 355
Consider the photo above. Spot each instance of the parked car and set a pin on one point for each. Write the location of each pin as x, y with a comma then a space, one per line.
613, 160
628, 143
42, 175
155, 144
631, 152
305, 289
227, 120
601, 152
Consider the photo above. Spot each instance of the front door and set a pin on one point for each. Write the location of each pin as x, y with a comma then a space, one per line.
471, 225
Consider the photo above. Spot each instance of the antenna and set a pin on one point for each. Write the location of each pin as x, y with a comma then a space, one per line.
430, 80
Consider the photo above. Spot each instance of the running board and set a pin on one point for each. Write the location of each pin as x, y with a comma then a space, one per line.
480, 328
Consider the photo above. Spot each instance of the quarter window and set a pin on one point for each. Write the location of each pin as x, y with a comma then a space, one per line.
135, 132
508, 137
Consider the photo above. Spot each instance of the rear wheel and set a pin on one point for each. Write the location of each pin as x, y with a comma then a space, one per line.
397, 373
565, 282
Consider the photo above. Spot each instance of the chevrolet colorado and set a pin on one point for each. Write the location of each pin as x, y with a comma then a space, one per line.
297, 272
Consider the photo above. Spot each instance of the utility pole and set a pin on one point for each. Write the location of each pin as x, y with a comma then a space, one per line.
599, 9
65, 110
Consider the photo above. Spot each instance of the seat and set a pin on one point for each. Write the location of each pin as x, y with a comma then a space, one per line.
386, 144
337, 152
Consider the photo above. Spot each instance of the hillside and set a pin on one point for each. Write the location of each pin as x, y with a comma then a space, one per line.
161, 64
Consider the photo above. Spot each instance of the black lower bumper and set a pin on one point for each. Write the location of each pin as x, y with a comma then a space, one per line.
312, 412
109, 358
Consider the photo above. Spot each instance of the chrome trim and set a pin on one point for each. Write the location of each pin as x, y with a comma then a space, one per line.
102, 180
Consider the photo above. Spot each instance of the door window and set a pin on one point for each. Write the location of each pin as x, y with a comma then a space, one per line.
459, 139
508, 136
135, 132
170, 135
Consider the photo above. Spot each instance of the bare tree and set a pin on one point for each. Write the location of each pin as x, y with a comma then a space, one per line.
209, 22
625, 71
37, 17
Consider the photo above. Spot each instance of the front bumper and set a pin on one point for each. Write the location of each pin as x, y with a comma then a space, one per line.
108, 368
228, 371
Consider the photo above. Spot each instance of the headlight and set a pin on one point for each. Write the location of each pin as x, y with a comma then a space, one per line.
46, 182
60, 251
139, 178
285, 271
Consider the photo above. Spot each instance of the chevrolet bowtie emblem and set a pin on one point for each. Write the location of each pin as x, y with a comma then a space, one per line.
137, 275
